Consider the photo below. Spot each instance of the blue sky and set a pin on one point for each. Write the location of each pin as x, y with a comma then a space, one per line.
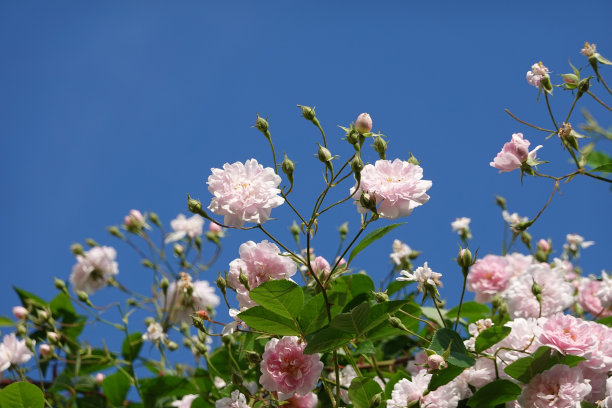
111, 106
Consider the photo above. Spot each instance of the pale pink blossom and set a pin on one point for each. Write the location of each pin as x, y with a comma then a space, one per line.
522, 340
406, 391
347, 374
448, 395
185, 227
397, 187
186, 401
573, 244
601, 353
559, 387
309, 400
461, 224
244, 192
184, 297
415, 366
568, 335
215, 229
285, 368
13, 352
605, 291
588, 50
519, 263
481, 373
134, 219
363, 124
538, 71
557, 293
45, 350
597, 381
607, 402
321, 267
155, 333
423, 276
94, 269
514, 154
588, 298
260, 263
236, 400
488, 277
400, 253
544, 245
475, 329
99, 378
20, 312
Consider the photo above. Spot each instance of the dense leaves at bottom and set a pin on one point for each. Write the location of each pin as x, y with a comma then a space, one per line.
494, 393
21, 395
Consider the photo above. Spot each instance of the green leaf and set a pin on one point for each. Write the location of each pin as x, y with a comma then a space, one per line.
495, 393
260, 318
22, 395
491, 336
314, 314
131, 346
91, 401
604, 168
365, 347
116, 387
606, 321
371, 237
444, 376
63, 310
432, 314
164, 386
597, 158
442, 339
281, 296
362, 390
96, 360
379, 313
6, 322
524, 369
353, 322
29, 298
396, 286
470, 311
326, 340
384, 330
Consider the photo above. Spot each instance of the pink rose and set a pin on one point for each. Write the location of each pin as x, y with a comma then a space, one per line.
559, 387
514, 154
568, 335
363, 124
488, 277
309, 400
285, 368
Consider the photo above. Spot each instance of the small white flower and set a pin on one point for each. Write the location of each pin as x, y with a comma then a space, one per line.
94, 269
237, 400
236, 324
422, 276
513, 219
185, 402
13, 351
183, 226
155, 333
461, 224
400, 251
218, 382
574, 241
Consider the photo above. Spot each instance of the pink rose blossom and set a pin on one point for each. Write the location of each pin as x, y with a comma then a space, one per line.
347, 374
185, 297
605, 291
557, 293
538, 71
481, 373
321, 267
607, 402
94, 268
260, 263
406, 391
363, 124
597, 381
155, 333
559, 387
309, 400
13, 352
448, 395
588, 50
397, 187
488, 277
20, 312
185, 227
461, 224
415, 366
601, 353
568, 335
285, 368
519, 263
523, 336
244, 192
186, 401
514, 154
589, 300
236, 400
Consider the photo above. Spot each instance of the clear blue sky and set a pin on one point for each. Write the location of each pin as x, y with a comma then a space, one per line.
116, 105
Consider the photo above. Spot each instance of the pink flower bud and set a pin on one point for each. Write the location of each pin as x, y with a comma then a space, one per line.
214, 227
20, 312
134, 219
544, 245
52, 336
363, 124
44, 350
100, 378
435, 362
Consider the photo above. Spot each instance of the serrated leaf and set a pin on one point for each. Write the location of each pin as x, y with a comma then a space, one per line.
22, 395
491, 336
362, 390
445, 338
371, 237
283, 297
260, 318
495, 393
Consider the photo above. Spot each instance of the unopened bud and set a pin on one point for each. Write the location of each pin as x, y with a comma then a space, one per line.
464, 259
261, 124
221, 283
526, 238
178, 249
99, 378
544, 245
500, 201
45, 350
583, 86
397, 323
496, 302
53, 337
21, 330
164, 284
380, 146
294, 229
570, 80
147, 264
30, 344
20, 312
368, 201
536, 289
237, 379
363, 124
83, 297
91, 242
203, 314
435, 362
195, 206
154, 219
114, 231
76, 249
343, 230
376, 400
357, 166
253, 357
352, 136
287, 166
413, 160
308, 112
381, 297
59, 284
324, 154
172, 346
244, 280
132, 302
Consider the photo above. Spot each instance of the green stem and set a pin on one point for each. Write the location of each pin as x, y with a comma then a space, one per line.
269, 137
465, 272
528, 124
602, 81
599, 100
550, 111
